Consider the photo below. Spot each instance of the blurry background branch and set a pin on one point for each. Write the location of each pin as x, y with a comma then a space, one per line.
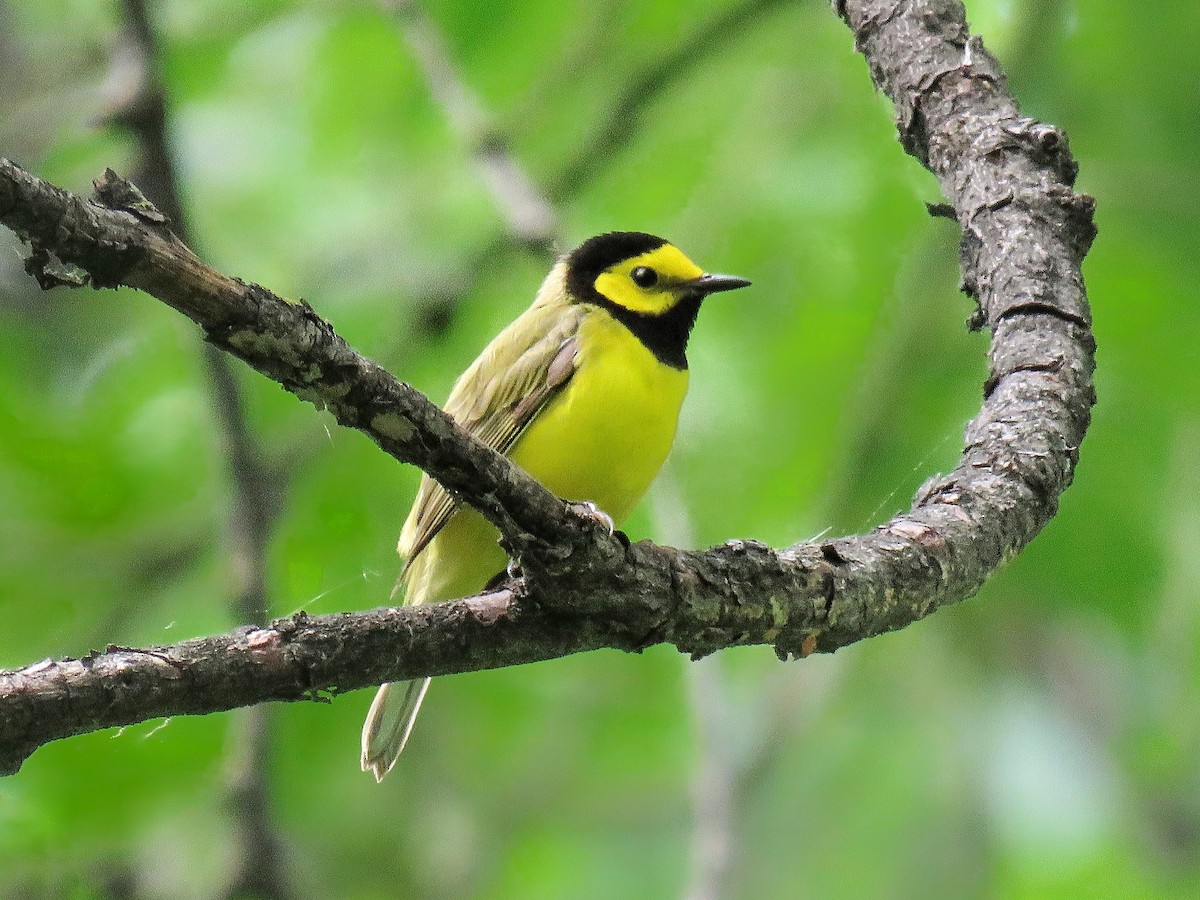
617, 126
715, 797
1025, 234
529, 219
137, 101
526, 207
739, 736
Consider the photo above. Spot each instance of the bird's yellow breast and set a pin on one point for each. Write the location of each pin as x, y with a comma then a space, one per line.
606, 435
602, 439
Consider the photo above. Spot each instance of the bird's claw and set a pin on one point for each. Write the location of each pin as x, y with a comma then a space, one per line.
588, 510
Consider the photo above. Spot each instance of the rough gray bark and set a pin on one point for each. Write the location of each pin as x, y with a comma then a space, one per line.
1025, 233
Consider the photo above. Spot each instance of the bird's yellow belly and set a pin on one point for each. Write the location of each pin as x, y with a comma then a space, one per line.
605, 437
602, 439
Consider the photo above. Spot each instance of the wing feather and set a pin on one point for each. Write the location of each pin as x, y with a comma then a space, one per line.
495, 400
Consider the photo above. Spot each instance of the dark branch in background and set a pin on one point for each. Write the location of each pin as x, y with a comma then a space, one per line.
10, 52
615, 130
139, 104
1025, 233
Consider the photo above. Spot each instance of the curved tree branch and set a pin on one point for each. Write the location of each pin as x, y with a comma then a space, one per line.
1025, 233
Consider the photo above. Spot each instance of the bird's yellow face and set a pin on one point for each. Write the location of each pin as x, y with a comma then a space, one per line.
650, 283
647, 285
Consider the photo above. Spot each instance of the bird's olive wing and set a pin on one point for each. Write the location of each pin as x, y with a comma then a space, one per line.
496, 399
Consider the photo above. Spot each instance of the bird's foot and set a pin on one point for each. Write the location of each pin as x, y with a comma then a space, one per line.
588, 510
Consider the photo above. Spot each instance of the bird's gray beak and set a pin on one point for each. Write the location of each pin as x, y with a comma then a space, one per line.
713, 284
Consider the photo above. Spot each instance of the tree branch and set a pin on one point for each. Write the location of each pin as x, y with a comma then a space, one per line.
1025, 233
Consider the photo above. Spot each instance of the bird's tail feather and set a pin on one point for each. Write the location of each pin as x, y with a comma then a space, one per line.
389, 724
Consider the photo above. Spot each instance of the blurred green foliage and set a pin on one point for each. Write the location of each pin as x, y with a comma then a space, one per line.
1042, 740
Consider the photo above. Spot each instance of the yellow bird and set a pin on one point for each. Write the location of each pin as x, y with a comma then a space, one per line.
582, 391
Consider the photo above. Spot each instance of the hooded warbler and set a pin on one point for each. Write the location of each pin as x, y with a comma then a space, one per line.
582, 391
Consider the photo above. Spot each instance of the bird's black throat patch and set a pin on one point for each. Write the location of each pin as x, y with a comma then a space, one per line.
665, 335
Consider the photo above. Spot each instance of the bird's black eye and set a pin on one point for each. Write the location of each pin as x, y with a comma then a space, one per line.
644, 277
